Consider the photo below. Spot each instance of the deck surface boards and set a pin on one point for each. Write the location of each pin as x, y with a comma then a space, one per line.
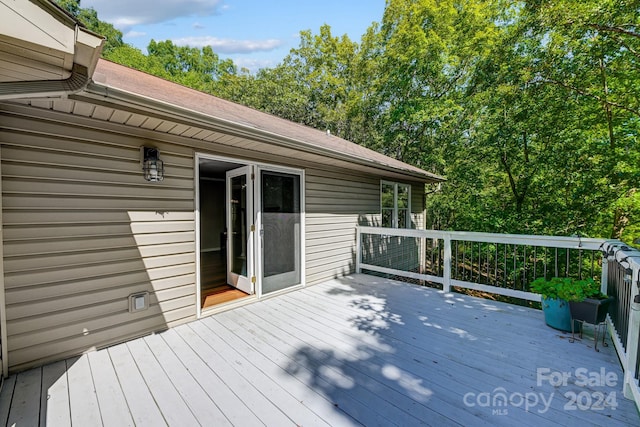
358, 397
8, 387
359, 350
266, 406
83, 400
389, 390
54, 402
265, 351
113, 404
161, 388
140, 401
25, 405
486, 357
178, 370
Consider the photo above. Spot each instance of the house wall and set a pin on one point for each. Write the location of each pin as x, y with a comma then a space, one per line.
83, 230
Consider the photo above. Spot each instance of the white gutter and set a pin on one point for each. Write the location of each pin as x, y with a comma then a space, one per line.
47, 88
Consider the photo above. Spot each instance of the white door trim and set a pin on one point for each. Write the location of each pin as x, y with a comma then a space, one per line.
257, 215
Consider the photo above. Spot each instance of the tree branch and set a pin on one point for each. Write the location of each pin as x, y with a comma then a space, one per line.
592, 95
629, 48
610, 29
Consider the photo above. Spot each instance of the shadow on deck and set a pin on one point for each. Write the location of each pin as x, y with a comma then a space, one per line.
351, 351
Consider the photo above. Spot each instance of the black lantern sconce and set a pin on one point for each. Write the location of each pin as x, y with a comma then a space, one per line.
152, 166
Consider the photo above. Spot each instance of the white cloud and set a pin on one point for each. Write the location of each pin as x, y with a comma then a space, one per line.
126, 13
253, 65
229, 46
197, 26
134, 34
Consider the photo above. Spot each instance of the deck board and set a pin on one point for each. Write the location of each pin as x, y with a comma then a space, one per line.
165, 395
201, 403
25, 405
8, 387
359, 350
83, 400
54, 400
140, 402
108, 391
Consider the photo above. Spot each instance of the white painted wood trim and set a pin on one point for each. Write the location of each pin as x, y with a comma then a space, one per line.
402, 273
196, 206
617, 342
358, 250
631, 389
529, 296
446, 272
518, 239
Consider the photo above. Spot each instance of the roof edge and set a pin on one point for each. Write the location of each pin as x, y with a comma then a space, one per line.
102, 90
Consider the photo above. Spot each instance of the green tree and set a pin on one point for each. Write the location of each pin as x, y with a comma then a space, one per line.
89, 18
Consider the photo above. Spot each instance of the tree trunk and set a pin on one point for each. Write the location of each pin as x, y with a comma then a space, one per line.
620, 221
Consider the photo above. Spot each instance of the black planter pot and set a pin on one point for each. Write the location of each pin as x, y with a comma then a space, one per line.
592, 311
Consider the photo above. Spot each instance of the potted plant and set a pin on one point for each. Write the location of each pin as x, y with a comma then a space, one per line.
566, 298
555, 309
586, 302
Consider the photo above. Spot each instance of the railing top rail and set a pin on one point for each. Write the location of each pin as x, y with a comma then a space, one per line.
517, 239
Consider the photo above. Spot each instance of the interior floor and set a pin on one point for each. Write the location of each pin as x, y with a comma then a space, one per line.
221, 294
213, 276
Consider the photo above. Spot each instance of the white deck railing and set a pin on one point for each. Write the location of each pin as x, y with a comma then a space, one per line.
505, 264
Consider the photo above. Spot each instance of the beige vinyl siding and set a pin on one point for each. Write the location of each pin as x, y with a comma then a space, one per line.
335, 203
83, 231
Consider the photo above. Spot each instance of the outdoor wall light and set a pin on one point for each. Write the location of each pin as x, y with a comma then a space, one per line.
152, 166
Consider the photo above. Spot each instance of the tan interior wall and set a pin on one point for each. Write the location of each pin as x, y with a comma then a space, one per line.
212, 223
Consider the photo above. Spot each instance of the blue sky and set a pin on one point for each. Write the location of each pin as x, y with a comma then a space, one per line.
253, 33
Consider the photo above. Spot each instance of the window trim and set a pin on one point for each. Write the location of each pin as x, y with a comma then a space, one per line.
394, 216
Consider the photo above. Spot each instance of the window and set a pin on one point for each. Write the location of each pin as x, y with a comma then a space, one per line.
395, 201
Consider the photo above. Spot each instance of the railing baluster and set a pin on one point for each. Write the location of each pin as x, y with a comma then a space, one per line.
580, 264
515, 265
535, 261
495, 277
504, 269
524, 267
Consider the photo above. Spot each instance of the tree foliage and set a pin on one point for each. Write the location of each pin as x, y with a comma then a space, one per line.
530, 108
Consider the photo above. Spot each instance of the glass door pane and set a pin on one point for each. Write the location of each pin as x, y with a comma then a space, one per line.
281, 230
239, 235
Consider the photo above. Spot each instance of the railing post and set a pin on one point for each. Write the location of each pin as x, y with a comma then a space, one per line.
446, 273
632, 337
604, 277
358, 249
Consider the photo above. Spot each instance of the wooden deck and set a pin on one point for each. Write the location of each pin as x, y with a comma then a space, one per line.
358, 350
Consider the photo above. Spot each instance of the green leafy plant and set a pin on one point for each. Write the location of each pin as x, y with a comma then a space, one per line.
567, 288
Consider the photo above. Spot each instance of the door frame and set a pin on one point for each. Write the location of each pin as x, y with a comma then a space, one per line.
257, 244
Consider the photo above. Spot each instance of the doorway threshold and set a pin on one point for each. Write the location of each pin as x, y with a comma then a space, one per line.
225, 303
